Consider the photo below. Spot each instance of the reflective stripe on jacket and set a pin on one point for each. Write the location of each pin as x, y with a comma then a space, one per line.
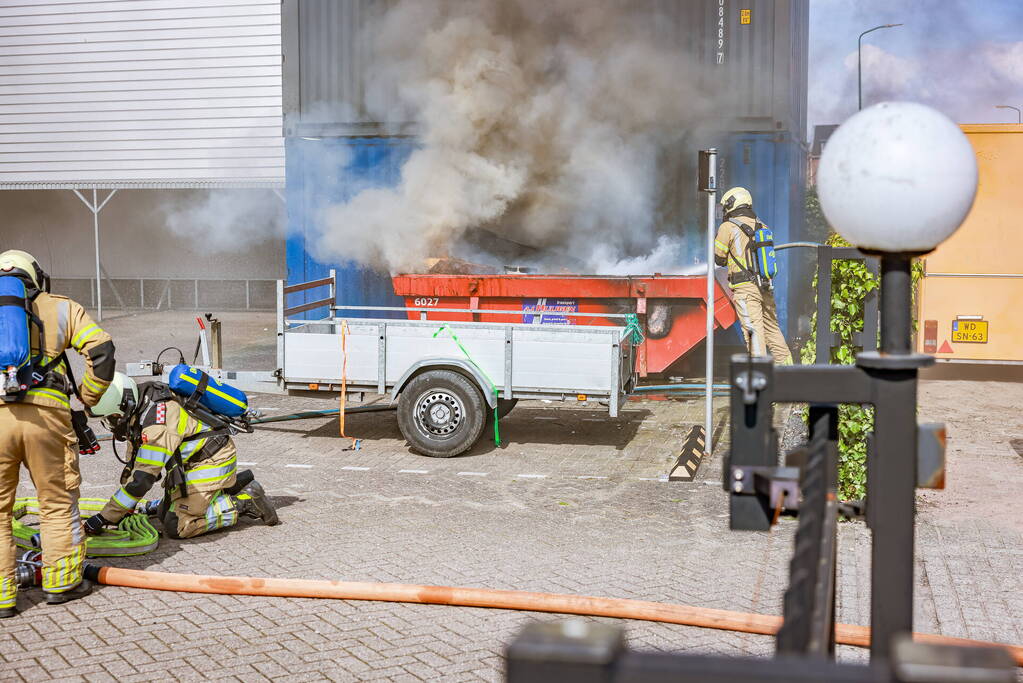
160, 438
731, 242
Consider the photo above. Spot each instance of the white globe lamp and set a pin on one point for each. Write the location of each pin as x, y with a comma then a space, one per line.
897, 177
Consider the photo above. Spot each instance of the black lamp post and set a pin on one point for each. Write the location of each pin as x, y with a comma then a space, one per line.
859, 61
1019, 114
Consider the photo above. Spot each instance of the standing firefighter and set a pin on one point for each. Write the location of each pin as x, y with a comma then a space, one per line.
36, 328
194, 452
746, 246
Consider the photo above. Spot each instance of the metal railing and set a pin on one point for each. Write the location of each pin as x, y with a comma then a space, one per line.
159, 293
826, 339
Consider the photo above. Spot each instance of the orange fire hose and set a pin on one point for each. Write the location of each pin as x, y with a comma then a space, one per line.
702, 617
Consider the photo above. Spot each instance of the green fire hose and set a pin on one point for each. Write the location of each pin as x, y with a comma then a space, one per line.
135, 535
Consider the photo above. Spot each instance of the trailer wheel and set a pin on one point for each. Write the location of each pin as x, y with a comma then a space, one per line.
441, 413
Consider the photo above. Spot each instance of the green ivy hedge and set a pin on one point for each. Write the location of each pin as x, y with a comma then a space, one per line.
851, 281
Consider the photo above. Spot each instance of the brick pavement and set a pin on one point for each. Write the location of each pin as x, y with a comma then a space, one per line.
383, 514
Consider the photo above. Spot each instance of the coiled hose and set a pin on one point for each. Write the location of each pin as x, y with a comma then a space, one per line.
134, 535
585, 605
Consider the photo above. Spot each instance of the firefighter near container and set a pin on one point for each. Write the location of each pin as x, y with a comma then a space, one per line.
181, 432
745, 245
37, 426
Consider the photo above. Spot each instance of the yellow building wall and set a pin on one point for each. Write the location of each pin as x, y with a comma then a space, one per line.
979, 270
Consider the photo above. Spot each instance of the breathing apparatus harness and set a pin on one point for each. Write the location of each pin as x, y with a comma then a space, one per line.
37, 372
759, 251
129, 425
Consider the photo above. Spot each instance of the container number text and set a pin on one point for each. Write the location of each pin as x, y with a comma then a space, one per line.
426, 301
721, 32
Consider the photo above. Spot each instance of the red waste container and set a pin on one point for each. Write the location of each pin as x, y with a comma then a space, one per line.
672, 309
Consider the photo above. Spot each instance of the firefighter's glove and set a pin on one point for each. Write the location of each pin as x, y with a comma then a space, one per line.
94, 525
148, 508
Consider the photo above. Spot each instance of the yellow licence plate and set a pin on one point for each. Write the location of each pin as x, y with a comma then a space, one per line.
969, 331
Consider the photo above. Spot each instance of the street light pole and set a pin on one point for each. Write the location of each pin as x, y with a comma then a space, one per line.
1019, 114
859, 61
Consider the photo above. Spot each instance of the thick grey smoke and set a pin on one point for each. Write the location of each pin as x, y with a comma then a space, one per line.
224, 219
540, 121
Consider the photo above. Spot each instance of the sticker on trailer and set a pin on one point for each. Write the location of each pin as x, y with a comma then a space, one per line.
546, 311
969, 329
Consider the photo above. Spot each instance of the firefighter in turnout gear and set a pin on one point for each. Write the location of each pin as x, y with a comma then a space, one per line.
192, 450
35, 422
746, 247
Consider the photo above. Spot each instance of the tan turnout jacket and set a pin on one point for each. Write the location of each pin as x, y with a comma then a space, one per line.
66, 325
730, 244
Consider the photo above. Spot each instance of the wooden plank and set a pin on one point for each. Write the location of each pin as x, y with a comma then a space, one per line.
302, 286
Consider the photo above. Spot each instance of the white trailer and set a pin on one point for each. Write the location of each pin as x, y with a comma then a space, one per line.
448, 378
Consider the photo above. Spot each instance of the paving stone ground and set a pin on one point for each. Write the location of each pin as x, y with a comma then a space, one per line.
571, 503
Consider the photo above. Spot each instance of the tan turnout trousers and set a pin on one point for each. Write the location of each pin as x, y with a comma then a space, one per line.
758, 318
42, 439
758, 315
200, 512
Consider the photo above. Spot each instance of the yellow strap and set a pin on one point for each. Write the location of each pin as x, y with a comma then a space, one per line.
213, 390
182, 422
344, 385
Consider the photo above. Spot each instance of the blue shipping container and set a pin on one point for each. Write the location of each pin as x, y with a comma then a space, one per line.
326, 171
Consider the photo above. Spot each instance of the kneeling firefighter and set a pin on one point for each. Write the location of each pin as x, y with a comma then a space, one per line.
192, 447
746, 246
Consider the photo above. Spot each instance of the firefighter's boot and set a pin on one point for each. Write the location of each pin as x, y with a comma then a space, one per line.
253, 502
79, 591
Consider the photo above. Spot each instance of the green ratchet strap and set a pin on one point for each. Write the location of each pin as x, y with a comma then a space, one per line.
493, 386
135, 535
632, 327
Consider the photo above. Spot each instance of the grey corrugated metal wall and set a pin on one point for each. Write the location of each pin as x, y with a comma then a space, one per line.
761, 68
141, 93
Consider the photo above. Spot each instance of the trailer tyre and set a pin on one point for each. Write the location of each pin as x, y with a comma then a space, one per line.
441, 413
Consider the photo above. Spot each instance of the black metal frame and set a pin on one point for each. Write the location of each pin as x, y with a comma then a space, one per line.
865, 339
758, 491
886, 380
573, 652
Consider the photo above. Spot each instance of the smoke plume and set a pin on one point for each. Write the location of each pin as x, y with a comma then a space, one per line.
224, 219
543, 122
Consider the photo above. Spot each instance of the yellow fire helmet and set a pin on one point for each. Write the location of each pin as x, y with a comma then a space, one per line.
14, 261
735, 198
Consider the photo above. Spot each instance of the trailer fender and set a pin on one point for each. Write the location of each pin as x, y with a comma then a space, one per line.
458, 364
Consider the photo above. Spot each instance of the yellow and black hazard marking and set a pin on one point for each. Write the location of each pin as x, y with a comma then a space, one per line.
693, 450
